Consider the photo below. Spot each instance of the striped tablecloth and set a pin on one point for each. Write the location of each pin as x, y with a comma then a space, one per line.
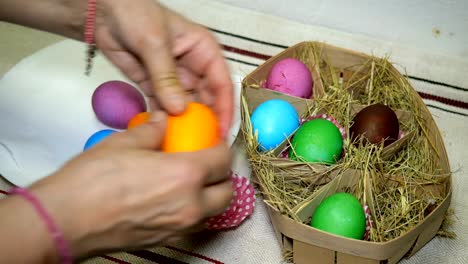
250, 38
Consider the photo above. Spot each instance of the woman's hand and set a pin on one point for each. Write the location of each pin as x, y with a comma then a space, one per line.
123, 193
167, 55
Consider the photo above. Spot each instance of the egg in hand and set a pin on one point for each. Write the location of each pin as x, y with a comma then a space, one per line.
195, 129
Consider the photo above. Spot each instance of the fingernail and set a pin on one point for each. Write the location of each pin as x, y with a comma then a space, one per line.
156, 117
177, 102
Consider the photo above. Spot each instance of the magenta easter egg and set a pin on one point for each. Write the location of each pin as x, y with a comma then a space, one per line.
116, 102
290, 76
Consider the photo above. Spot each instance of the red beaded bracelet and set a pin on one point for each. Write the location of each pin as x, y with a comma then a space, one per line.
89, 34
59, 240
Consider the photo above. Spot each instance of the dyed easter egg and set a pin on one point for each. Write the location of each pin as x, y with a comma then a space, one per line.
97, 137
290, 76
274, 121
195, 129
317, 140
116, 102
376, 123
138, 119
340, 214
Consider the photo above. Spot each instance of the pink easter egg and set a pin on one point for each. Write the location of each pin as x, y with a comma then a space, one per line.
290, 76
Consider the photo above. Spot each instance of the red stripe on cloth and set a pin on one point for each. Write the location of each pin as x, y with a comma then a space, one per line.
193, 254
4, 192
116, 260
443, 100
246, 52
154, 257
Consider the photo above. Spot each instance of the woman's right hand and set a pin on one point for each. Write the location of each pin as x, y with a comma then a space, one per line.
123, 193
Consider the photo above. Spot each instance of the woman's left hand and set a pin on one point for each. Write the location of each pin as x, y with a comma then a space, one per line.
172, 59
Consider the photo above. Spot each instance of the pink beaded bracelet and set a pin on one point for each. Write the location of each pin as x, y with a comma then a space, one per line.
89, 34
62, 246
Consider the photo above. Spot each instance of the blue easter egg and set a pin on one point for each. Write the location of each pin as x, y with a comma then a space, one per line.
274, 121
97, 137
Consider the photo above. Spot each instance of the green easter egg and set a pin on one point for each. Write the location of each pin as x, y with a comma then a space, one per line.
317, 140
340, 214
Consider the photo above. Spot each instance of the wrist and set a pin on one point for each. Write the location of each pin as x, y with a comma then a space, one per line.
24, 228
63, 17
57, 203
77, 11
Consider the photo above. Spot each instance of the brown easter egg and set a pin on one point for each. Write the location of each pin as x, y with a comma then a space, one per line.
376, 123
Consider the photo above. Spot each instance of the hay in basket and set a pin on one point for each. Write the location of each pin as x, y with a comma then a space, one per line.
401, 189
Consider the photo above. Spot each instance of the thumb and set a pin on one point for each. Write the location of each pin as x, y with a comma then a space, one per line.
166, 86
148, 135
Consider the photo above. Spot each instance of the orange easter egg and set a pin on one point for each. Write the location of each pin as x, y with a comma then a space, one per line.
195, 129
138, 119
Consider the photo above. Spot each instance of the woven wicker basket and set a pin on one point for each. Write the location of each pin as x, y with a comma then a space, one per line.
309, 244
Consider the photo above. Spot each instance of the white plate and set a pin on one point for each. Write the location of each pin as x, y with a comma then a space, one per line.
46, 114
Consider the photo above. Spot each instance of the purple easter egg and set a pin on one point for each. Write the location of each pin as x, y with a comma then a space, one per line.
290, 76
116, 102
